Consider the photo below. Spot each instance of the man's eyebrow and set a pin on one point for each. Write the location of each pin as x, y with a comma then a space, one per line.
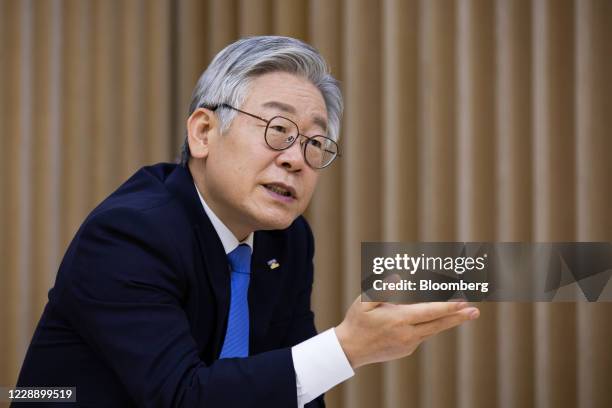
318, 120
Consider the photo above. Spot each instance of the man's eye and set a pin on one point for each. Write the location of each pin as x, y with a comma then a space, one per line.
316, 143
280, 129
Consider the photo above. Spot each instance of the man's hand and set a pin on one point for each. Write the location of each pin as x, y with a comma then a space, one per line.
374, 332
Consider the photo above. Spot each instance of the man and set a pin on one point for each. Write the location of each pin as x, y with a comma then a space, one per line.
190, 285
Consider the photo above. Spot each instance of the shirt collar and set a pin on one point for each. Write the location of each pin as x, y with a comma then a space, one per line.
228, 239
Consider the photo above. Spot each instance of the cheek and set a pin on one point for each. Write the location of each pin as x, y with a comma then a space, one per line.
224, 178
233, 167
309, 188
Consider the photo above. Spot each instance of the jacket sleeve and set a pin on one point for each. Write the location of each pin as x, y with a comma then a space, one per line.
122, 292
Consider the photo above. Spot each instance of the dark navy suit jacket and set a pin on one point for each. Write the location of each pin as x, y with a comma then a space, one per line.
138, 313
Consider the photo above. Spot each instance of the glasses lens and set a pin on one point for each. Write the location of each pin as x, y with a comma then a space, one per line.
320, 151
281, 133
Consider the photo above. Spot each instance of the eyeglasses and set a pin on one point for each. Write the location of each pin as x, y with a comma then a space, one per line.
281, 133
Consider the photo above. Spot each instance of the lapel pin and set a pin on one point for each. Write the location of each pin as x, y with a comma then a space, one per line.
273, 264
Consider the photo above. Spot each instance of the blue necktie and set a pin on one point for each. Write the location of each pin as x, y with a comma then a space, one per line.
236, 342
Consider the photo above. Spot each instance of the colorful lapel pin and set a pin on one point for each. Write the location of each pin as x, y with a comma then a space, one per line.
273, 264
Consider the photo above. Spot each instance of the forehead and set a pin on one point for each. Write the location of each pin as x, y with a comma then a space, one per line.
287, 93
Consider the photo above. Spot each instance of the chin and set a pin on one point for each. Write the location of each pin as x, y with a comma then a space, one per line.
276, 222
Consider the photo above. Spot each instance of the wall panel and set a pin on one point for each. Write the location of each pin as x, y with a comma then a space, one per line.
326, 209
475, 189
17, 132
593, 104
513, 186
362, 166
399, 132
46, 151
553, 193
436, 186
77, 126
156, 96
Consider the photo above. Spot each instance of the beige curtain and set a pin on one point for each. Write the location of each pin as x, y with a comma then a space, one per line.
465, 120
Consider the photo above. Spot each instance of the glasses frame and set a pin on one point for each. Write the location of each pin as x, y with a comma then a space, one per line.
267, 121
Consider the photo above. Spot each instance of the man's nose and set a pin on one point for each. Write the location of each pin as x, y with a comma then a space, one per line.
293, 157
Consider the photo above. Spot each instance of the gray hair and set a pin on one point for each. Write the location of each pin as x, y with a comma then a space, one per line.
227, 78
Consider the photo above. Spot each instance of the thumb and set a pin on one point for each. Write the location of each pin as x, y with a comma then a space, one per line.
365, 304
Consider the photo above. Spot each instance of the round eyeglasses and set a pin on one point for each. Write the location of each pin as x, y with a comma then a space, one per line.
281, 133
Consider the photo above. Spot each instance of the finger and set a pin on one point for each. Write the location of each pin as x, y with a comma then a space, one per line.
426, 312
447, 322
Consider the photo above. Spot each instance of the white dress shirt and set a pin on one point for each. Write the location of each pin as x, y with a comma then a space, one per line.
319, 362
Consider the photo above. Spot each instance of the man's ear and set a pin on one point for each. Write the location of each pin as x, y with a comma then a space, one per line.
202, 125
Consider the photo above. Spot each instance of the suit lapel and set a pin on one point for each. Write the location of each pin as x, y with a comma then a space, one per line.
210, 247
218, 275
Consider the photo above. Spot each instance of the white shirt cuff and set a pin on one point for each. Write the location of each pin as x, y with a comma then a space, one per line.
320, 364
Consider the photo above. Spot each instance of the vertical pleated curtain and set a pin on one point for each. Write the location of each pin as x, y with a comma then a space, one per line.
465, 120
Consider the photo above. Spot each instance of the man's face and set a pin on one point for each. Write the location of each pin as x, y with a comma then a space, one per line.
243, 180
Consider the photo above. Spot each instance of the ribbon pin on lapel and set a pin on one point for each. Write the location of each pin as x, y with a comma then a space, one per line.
273, 264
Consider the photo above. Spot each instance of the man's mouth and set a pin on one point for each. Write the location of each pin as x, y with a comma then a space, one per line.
281, 190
